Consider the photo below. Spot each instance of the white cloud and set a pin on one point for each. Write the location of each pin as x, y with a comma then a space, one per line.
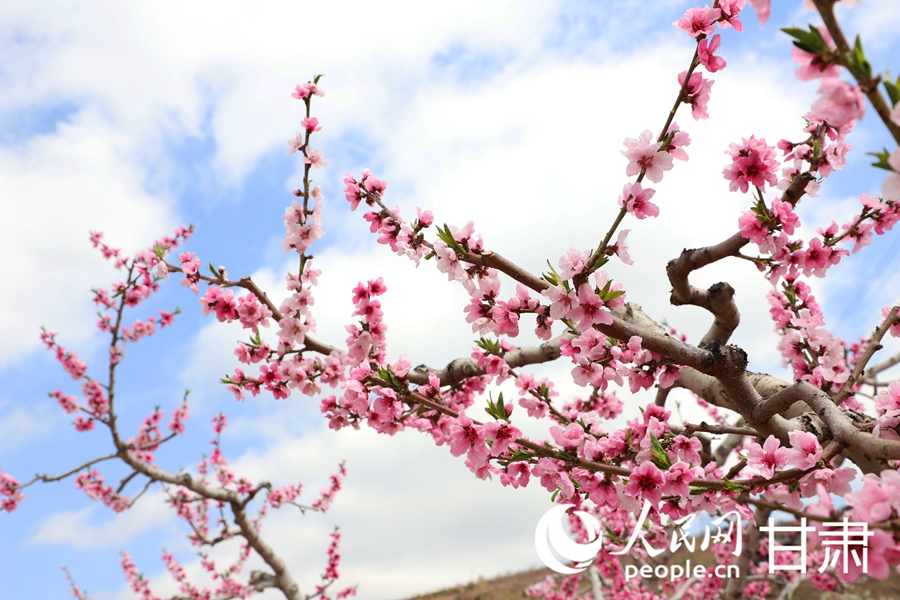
79, 529
57, 187
20, 425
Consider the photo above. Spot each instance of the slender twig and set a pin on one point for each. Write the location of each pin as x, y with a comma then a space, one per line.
70, 472
871, 348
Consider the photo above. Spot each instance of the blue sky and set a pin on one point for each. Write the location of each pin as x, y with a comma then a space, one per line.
133, 119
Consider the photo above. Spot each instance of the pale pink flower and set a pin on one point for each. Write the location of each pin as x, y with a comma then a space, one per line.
620, 248
730, 11
754, 163
311, 124
687, 449
517, 474
314, 158
468, 437
589, 310
698, 21
573, 263
805, 451
890, 188
638, 201
678, 478
501, 434
644, 155
570, 437
295, 144
834, 481
763, 9
752, 228
696, 93
646, 483
705, 52
882, 552
765, 459
871, 503
679, 140
838, 103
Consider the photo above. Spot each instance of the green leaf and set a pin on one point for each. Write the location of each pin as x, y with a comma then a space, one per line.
447, 237
892, 87
598, 262
893, 91
489, 346
659, 453
882, 160
809, 41
318, 77
497, 410
733, 487
552, 277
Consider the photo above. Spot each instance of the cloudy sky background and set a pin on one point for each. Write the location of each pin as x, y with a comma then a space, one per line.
134, 118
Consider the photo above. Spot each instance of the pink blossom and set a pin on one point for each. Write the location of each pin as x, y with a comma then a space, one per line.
677, 479
573, 263
699, 21
571, 437
314, 158
705, 52
838, 103
752, 228
834, 481
620, 248
82, 423
805, 450
890, 188
754, 164
589, 310
468, 437
295, 144
638, 201
311, 124
687, 449
561, 301
814, 66
730, 11
517, 474
646, 483
881, 551
67, 403
502, 435
644, 155
677, 143
301, 92
763, 9
696, 93
767, 459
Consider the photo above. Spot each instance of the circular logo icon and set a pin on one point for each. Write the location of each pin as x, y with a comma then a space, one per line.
550, 537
